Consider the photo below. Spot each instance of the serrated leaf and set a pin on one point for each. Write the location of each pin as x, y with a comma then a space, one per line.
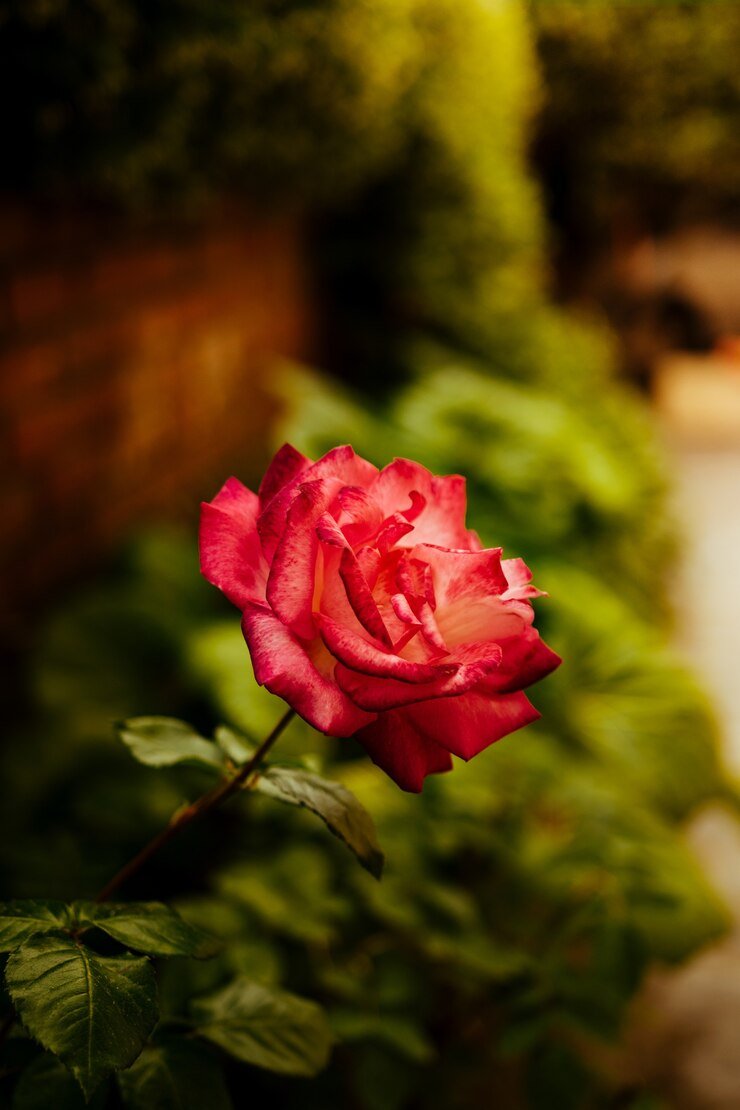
47, 1085
269, 1028
149, 927
165, 741
235, 746
93, 1012
337, 807
174, 1075
21, 920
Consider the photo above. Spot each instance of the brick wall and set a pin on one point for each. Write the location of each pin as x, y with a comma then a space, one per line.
130, 368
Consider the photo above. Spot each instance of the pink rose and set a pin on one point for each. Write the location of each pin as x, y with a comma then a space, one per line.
373, 611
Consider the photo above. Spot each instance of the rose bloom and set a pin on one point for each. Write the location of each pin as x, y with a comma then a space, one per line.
373, 611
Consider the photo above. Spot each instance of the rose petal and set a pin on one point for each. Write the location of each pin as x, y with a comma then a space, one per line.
442, 519
363, 513
284, 666
463, 575
378, 694
399, 749
361, 599
290, 585
286, 466
519, 579
468, 724
230, 552
362, 655
340, 462
525, 660
356, 587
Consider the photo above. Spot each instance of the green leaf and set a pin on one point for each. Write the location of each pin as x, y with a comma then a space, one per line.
397, 1032
339, 809
174, 1075
24, 919
94, 1012
149, 927
165, 741
266, 1027
234, 746
47, 1085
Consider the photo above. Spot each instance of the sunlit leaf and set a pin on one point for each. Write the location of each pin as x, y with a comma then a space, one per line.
235, 746
165, 741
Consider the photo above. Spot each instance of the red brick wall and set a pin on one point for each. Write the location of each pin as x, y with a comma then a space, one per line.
130, 366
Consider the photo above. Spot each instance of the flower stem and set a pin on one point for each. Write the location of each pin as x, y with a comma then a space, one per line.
199, 808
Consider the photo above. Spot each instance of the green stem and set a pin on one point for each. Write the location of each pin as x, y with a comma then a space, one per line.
199, 808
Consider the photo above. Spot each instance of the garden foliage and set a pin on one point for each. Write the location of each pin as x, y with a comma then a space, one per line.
639, 121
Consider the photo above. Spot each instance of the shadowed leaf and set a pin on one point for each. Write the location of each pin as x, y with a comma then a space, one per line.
174, 1075
269, 1028
93, 1012
337, 807
149, 927
19, 921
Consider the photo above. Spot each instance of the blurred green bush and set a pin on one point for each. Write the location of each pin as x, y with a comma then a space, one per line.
640, 115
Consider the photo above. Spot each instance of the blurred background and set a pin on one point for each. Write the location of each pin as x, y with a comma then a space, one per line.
498, 236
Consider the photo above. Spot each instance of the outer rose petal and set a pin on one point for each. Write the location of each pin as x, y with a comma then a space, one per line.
402, 751
283, 665
526, 659
468, 724
287, 465
230, 552
442, 520
519, 578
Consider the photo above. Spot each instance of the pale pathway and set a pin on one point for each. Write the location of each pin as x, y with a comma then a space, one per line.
686, 1035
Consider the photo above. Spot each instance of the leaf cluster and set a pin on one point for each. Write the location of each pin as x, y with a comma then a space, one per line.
94, 1010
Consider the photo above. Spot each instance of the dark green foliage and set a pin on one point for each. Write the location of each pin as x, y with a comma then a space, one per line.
20, 921
93, 1012
142, 102
146, 927
48, 1083
174, 1073
640, 110
269, 1028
